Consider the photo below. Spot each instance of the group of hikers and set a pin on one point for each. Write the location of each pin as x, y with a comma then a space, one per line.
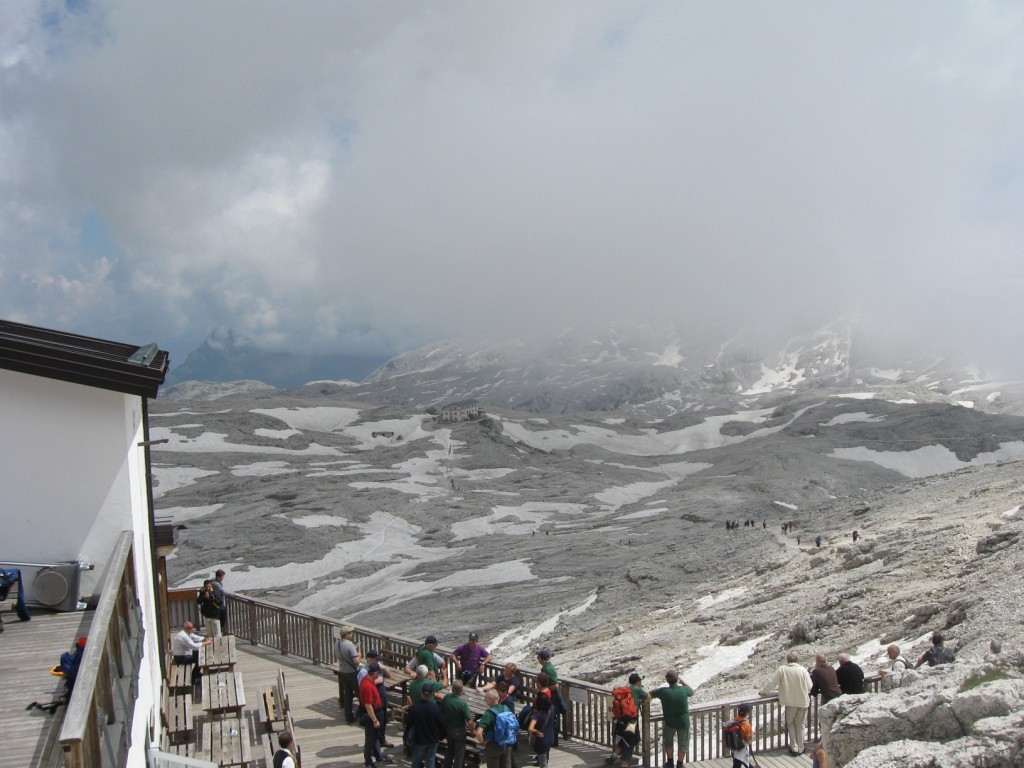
436, 710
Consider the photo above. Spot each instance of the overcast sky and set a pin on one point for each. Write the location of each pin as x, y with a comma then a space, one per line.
368, 176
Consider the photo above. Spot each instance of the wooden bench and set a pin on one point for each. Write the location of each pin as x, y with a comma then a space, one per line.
185, 749
275, 706
226, 741
179, 723
179, 677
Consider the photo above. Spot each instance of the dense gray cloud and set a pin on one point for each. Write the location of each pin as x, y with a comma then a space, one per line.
369, 176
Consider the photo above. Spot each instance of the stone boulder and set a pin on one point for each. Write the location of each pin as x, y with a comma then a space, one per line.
954, 709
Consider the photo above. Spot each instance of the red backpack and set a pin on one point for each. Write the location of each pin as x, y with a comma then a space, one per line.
623, 703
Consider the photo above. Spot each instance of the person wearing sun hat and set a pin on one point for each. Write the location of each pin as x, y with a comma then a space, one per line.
348, 670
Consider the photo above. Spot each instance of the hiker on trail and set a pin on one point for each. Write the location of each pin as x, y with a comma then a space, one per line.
898, 663
741, 750
793, 684
817, 540
675, 706
937, 654
541, 726
427, 727
798, 539
855, 537
765, 524
823, 680
348, 665
457, 723
849, 675
471, 660
495, 755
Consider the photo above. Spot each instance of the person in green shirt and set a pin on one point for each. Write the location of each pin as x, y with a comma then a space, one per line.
416, 686
675, 705
425, 655
457, 721
544, 659
495, 756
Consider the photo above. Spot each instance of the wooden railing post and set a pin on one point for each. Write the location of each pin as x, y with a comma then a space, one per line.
282, 630
251, 621
314, 628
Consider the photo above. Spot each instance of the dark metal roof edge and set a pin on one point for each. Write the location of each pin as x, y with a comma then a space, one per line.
79, 359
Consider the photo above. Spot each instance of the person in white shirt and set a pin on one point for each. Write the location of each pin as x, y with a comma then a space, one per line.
285, 756
793, 684
185, 649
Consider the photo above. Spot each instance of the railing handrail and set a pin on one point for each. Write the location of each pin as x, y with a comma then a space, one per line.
593, 705
76, 719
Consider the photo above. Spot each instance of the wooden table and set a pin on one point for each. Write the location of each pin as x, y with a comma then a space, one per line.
218, 655
226, 741
223, 692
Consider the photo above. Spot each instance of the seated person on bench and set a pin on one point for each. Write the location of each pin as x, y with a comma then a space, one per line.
185, 649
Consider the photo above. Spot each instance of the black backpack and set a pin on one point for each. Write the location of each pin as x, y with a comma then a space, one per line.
942, 655
733, 736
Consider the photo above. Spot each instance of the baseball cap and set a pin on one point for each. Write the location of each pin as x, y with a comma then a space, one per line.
744, 709
373, 669
373, 653
431, 640
474, 636
427, 690
544, 653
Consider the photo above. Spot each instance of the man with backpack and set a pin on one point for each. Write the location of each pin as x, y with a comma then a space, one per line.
498, 730
627, 701
937, 654
738, 735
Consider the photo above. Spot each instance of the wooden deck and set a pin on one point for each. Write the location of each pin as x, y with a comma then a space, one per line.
27, 651
327, 743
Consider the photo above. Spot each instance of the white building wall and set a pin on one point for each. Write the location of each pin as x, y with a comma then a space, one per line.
147, 704
72, 477
64, 478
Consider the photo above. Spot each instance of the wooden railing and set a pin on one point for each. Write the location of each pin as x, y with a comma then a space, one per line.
96, 732
587, 717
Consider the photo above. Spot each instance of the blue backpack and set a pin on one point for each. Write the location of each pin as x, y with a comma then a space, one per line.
506, 728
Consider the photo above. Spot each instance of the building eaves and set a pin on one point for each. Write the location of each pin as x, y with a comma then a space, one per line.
82, 360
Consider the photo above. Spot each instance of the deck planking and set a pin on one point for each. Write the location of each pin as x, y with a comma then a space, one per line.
27, 651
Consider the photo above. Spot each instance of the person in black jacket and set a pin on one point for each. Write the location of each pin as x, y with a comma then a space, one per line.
210, 606
849, 675
426, 723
